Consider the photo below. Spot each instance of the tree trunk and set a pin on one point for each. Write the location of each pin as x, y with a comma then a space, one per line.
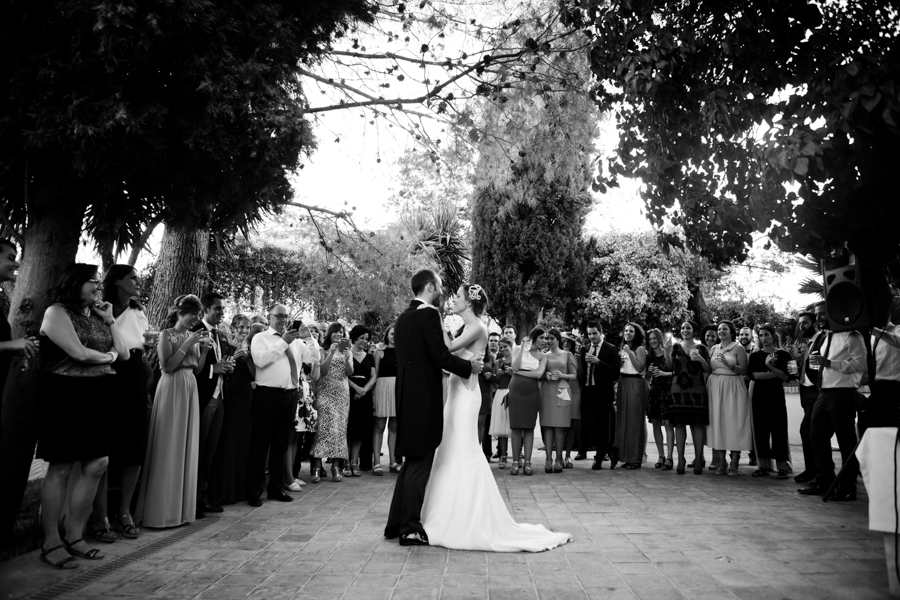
180, 269
697, 303
52, 236
107, 254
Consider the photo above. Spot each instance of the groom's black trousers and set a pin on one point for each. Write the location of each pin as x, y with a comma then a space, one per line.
409, 494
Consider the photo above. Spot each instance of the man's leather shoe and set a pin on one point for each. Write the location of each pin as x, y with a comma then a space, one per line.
613, 461
280, 496
413, 539
843, 494
580, 456
598, 464
254, 501
805, 477
199, 514
391, 532
209, 508
813, 490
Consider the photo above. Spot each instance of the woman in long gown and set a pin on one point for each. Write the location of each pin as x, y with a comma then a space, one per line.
168, 495
729, 404
463, 509
768, 368
359, 423
333, 405
631, 399
228, 478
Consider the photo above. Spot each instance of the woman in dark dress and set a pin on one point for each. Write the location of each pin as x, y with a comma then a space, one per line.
228, 476
129, 411
660, 397
689, 363
79, 342
487, 383
360, 421
768, 368
524, 399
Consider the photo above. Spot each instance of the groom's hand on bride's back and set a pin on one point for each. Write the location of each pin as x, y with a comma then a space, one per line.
477, 364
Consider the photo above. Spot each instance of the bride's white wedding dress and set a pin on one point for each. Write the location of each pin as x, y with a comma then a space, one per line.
463, 509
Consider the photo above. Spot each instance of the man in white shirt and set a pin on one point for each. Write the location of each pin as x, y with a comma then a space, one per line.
884, 401
278, 354
842, 362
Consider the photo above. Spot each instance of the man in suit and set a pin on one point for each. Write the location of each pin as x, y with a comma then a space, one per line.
599, 371
209, 392
421, 356
812, 327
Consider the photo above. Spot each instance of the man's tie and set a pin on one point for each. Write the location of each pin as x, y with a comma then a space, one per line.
590, 374
295, 380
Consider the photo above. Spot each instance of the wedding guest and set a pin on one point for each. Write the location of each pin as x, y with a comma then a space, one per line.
168, 494
385, 403
631, 398
333, 404
573, 434
486, 385
710, 336
660, 398
600, 366
279, 356
885, 397
768, 370
524, 399
228, 477
499, 425
729, 405
259, 320
689, 364
510, 333
362, 380
129, 388
79, 342
556, 401
210, 381
810, 329
9, 347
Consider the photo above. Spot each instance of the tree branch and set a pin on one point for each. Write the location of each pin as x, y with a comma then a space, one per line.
141, 242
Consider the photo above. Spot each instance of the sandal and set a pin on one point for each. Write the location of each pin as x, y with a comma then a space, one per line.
528, 470
668, 464
66, 563
92, 554
376, 471
782, 474
558, 467
761, 472
395, 467
502, 464
103, 534
568, 464
720, 470
548, 466
354, 470
316, 474
126, 525
659, 464
335, 474
514, 468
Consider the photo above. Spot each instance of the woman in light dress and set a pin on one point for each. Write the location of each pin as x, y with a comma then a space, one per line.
168, 495
556, 400
499, 426
385, 403
729, 404
463, 508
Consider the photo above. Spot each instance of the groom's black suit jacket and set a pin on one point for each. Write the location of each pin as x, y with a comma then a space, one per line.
421, 355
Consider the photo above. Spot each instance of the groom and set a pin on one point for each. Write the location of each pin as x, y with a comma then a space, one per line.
421, 355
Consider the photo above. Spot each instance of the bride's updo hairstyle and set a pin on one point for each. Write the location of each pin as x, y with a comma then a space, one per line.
476, 296
183, 305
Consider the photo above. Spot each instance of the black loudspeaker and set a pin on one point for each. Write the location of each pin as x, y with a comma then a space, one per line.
856, 296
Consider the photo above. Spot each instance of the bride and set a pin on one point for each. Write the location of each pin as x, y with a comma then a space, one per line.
463, 509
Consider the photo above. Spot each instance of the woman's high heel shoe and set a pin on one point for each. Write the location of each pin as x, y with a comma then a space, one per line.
548, 466
514, 467
558, 467
668, 464
335, 473
681, 465
528, 470
660, 463
699, 463
316, 474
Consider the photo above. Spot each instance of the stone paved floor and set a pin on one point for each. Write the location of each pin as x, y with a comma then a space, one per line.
647, 534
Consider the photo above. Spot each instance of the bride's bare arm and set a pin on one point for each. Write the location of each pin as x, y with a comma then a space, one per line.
466, 337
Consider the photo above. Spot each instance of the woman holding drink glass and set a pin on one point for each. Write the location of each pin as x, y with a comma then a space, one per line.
729, 404
769, 369
128, 412
631, 398
660, 396
524, 398
556, 400
689, 362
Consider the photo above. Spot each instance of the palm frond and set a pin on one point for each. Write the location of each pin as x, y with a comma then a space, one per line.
812, 286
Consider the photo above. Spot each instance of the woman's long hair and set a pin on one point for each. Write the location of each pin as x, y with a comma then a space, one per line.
111, 290
638, 339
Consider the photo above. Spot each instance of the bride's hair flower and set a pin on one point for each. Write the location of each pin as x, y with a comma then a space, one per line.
475, 292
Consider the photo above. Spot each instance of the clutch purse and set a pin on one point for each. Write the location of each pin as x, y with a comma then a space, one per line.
562, 394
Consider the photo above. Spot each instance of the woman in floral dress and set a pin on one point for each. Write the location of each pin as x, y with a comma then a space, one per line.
333, 405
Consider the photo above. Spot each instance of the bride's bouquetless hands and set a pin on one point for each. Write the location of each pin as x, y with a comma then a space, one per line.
477, 364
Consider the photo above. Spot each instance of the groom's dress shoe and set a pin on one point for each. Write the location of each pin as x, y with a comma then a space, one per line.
392, 532
413, 539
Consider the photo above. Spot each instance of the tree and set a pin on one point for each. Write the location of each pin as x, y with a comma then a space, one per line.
109, 108
776, 117
629, 279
